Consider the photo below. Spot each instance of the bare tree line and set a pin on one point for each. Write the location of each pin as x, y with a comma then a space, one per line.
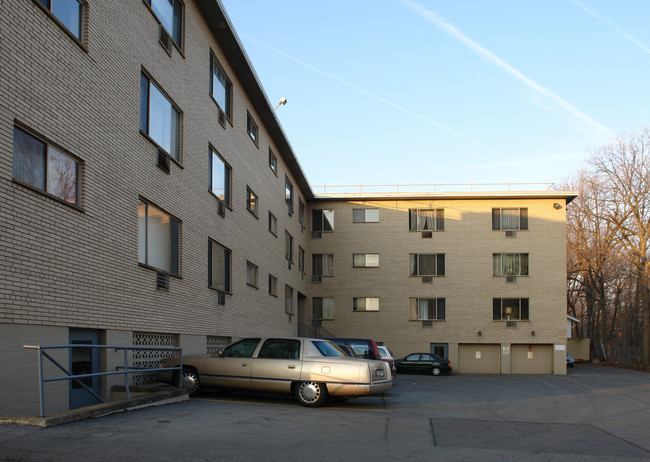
608, 238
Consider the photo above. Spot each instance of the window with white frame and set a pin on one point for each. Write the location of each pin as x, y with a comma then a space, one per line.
322, 220
426, 219
68, 12
158, 239
365, 304
251, 274
323, 308
510, 264
44, 167
288, 299
510, 219
220, 87
323, 264
160, 119
427, 309
219, 259
273, 285
365, 260
273, 224
273, 162
251, 128
221, 177
510, 309
427, 264
251, 201
170, 15
365, 215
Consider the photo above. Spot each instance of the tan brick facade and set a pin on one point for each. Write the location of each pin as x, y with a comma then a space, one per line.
76, 267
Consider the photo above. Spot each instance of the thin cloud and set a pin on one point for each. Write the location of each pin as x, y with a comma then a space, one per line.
382, 100
617, 28
486, 54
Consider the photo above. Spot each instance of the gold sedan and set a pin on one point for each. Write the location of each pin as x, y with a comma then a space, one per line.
311, 369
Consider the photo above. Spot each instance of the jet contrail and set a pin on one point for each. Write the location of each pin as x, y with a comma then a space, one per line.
486, 54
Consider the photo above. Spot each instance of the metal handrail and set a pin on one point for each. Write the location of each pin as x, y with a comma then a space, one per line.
126, 370
433, 187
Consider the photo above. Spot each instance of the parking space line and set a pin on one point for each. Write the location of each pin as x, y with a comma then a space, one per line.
287, 405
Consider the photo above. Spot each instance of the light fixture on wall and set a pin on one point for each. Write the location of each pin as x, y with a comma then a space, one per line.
532, 333
557, 206
283, 101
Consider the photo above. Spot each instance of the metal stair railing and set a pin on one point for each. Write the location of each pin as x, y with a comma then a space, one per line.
125, 369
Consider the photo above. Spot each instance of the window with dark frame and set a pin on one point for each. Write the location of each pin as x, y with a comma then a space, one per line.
220, 87
510, 264
365, 304
288, 251
322, 220
323, 308
273, 285
365, 215
170, 15
510, 309
273, 162
160, 119
426, 220
322, 264
251, 128
251, 201
510, 219
219, 259
69, 13
158, 239
427, 309
44, 167
365, 260
288, 299
288, 194
427, 264
251, 274
221, 177
273, 224
301, 260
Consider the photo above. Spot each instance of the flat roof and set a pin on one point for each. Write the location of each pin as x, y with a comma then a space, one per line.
452, 195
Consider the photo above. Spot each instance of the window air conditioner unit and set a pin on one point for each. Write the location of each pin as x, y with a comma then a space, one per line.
221, 298
316, 279
427, 234
221, 208
165, 40
511, 324
316, 234
163, 161
427, 323
511, 233
222, 118
162, 280
511, 279
427, 279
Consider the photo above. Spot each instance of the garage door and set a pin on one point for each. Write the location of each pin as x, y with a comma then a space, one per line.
531, 359
478, 359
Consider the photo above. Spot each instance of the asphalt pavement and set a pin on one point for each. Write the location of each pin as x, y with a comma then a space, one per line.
595, 413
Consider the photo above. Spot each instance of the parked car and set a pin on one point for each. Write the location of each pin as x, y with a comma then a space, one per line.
387, 356
311, 369
347, 350
422, 362
363, 347
570, 360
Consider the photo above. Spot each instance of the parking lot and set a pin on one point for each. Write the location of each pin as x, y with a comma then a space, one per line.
594, 413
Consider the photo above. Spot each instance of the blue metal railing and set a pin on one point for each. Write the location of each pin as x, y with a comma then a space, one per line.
124, 370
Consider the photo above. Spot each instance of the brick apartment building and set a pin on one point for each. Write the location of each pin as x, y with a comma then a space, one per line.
150, 197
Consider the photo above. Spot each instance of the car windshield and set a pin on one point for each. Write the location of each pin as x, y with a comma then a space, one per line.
328, 348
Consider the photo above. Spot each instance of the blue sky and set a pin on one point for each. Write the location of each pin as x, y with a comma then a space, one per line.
386, 92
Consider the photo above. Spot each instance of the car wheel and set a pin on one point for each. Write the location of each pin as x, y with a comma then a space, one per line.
436, 371
191, 380
311, 394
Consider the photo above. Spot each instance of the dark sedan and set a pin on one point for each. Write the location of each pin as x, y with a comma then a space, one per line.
422, 362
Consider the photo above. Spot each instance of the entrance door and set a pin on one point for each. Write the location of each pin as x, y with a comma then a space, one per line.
441, 350
84, 361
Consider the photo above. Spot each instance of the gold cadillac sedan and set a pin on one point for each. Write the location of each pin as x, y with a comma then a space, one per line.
310, 369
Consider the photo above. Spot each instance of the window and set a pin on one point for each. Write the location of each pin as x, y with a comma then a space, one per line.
242, 349
365, 260
219, 267
507, 309
288, 248
288, 194
427, 309
427, 220
251, 128
365, 304
509, 219
45, 167
273, 285
323, 308
427, 264
273, 162
68, 12
322, 220
220, 87
323, 264
159, 118
170, 15
365, 215
301, 260
221, 178
280, 349
158, 239
510, 264
288, 299
251, 201
273, 224
251, 274
301, 213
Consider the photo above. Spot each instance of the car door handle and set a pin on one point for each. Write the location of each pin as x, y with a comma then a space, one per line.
291, 366
244, 364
